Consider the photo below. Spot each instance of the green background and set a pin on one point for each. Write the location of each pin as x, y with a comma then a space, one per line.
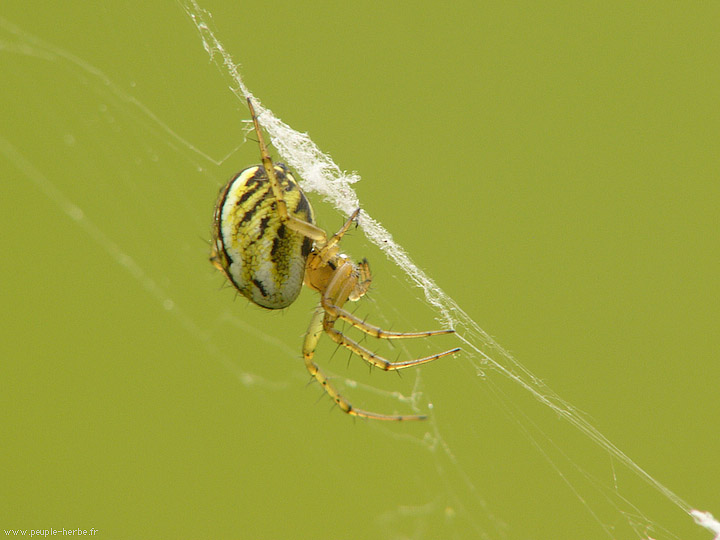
553, 168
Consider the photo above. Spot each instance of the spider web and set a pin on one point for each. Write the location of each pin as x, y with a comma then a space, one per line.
610, 504
321, 175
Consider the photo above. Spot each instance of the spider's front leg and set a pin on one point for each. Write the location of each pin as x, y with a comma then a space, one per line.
372, 358
312, 337
347, 280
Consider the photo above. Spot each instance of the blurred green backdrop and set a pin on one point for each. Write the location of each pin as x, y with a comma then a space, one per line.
553, 168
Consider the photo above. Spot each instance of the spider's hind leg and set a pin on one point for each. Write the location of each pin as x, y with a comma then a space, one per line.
310, 230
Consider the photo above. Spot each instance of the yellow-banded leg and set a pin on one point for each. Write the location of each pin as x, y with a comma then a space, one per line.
308, 229
312, 337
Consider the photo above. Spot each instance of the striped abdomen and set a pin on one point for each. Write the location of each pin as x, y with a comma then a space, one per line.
260, 256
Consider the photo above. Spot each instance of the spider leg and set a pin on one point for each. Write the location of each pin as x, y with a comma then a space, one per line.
335, 240
312, 337
308, 229
375, 331
372, 358
327, 249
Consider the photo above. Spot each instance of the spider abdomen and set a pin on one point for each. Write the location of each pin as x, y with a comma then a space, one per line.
262, 257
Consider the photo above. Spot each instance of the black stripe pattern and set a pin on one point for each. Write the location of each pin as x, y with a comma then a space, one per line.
260, 256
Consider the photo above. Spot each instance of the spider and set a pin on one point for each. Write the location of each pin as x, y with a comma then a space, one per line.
267, 245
